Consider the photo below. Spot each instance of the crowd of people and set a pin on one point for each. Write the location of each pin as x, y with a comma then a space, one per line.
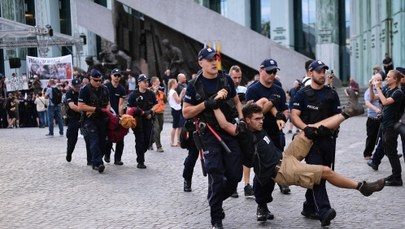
232, 128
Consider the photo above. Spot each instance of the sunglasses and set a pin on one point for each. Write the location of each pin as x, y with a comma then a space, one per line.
117, 75
274, 71
96, 80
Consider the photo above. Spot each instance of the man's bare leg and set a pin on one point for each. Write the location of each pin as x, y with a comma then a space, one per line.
341, 181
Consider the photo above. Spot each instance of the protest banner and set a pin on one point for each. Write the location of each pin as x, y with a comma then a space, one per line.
50, 68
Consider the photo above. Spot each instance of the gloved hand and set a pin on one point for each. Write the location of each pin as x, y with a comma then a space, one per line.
280, 116
148, 114
97, 110
275, 99
311, 132
211, 103
241, 127
324, 131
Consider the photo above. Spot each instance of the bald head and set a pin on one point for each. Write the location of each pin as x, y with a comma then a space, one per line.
181, 78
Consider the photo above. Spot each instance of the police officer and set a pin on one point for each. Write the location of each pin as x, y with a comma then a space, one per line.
224, 168
192, 156
311, 104
73, 120
117, 95
266, 88
144, 100
94, 99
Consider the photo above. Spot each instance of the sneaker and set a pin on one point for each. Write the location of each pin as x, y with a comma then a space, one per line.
249, 190
49, 134
263, 214
329, 215
107, 159
141, 166
187, 185
372, 165
368, 188
235, 194
160, 150
353, 107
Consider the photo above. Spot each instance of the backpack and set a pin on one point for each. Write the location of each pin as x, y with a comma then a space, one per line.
56, 96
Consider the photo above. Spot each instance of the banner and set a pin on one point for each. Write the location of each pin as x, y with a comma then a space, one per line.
16, 83
50, 68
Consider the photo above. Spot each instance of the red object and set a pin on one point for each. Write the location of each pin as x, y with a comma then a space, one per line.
116, 132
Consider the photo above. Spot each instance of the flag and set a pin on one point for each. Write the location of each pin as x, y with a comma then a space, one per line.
218, 48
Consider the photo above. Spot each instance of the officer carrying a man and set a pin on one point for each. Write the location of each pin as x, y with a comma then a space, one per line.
94, 99
224, 167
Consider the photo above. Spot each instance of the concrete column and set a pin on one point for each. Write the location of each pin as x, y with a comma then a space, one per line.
398, 33
327, 33
239, 12
366, 64
282, 22
354, 40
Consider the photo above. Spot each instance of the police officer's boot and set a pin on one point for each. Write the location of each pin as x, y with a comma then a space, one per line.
187, 185
353, 107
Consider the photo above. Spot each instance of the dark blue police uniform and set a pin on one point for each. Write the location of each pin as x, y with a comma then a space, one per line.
144, 128
73, 126
316, 105
257, 91
224, 169
192, 156
115, 94
95, 126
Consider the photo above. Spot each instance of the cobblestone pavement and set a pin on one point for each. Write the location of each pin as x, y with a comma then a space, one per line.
39, 189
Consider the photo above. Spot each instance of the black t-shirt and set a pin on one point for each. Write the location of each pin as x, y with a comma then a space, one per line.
115, 94
392, 113
144, 101
257, 91
72, 96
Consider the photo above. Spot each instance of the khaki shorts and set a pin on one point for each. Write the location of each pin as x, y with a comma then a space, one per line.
294, 172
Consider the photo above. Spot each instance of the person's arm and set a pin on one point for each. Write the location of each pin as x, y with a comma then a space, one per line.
371, 106
296, 119
384, 101
190, 111
238, 106
73, 106
224, 124
121, 106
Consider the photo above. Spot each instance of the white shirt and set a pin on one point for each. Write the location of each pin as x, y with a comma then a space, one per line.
172, 102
